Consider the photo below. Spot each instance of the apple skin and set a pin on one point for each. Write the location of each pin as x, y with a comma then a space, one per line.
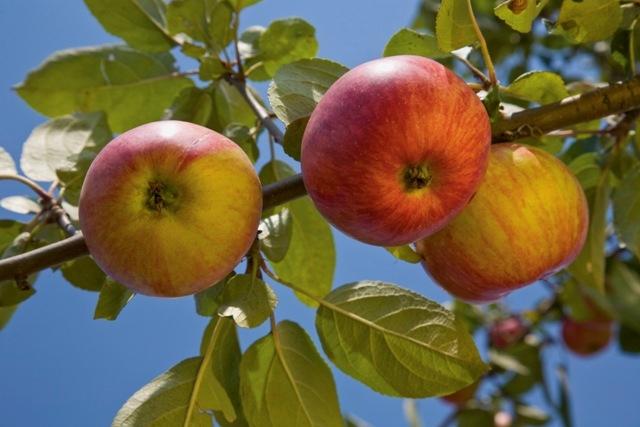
528, 219
505, 332
463, 395
586, 338
395, 149
169, 208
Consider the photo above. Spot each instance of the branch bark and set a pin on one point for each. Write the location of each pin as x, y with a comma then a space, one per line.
613, 99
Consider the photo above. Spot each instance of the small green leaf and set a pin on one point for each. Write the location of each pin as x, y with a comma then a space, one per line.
519, 14
275, 234
6, 313
9, 230
245, 138
292, 142
163, 402
130, 86
141, 23
543, 87
193, 105
404, 253
20, 205
396, 341
83, 273
411, 42
248, 300
297, 87
113, 297
7, 165
582, 22
626, 209
454, 28
285, 383
624, 293
285, 41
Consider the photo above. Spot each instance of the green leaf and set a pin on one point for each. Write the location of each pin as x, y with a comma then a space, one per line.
83, 273
628, 338
396, 341
9, 230
241, 4
626, 210
454, 28
248, 300
404, 253
565, 396
292, 142
193, 105
231, 107
586, 168
588, 21
507, 362
208, 301
211, 68
245, 138
475, 417
491, 103
589, 267
285, 41
163, 402
528, 354
141, 23
411, 42
543, 87
530, 416
6, 313
624, 293
208, 21
519, 14
113, 297
130, 86
7, 165
275, 234
20, 205
297, 87
284, 382
11, 294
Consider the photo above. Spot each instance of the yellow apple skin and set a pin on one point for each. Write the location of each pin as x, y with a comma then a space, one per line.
528, 219
169, 208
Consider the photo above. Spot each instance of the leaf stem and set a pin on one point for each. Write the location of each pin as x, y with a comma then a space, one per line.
483, 46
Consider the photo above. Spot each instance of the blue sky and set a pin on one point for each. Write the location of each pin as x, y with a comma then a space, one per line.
58, 367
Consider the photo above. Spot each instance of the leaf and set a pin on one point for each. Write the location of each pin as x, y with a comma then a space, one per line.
292, 142
83, 273
141, 23
130, 86
248, 300
519, 14
7, 165
624, 293
475, 417
543, 87
530, 415
588, 267
6, 313
582, 22
241, 4
113, 297
208, 301
9, 230
284, 382
626, 210
285, 41
20, 205
396, 341
507, 362
231, 107
207, 21
11, 294
528, 354
564, 392
411, 42
243, 136
404, 253
491, 103
628, 338
454, 28
193, 105
586, 168
275, 234
163, 402
297, 87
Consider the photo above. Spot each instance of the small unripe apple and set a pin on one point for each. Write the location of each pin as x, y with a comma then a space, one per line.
463, 395
505, 332
395, 149
527, 220
586, 338
169, 208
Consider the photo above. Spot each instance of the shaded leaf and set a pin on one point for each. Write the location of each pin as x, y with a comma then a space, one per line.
209, 300
83, 273
543, 87
582, 22
396, 341
507, 362
7, 165
20, 205
528, 354
113, 297
404, 253
248, 300
193, 105
285, 41
624, 294
628, 339
275, 234
284, 382
586, 168
411, 42
530, 416
231, 107
292, 142
454, 28
12, 294
9, 230
475, 417
243, 136
6, 313
626, 210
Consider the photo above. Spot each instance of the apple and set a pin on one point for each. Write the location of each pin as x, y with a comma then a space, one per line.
394, 149
586, 338
527, 220
169, 208
505, 332
463, 395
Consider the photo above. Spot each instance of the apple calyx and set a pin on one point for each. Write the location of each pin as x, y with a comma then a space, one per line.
416, 177
161, 196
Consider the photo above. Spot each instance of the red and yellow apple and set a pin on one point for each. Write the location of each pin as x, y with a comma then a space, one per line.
505, 332
586, 338
169, 208
395, 149
528, 219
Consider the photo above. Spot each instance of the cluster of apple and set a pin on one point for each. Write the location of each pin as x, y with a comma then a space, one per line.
398, 151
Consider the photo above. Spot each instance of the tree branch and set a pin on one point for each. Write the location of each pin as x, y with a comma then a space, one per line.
614, 99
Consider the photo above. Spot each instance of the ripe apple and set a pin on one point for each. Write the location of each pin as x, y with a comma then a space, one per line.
506, 332
527, 220
586, 338
169, 208
395, 149
463, 395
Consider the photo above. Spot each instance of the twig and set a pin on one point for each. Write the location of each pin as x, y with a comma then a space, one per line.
483, 46
41, 192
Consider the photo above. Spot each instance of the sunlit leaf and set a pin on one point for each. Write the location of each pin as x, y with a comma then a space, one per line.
285, 41
454, 28
248, 300
411, 42
588, 21
112, 299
